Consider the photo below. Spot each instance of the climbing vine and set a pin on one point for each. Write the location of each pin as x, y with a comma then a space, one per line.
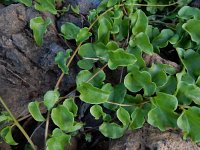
124, 33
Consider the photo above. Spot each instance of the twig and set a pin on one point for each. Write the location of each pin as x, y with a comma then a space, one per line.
18, 125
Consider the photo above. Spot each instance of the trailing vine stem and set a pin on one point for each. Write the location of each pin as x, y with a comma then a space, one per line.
95, 21
17, 124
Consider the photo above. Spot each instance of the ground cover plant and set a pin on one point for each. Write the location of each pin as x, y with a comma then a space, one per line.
126, 39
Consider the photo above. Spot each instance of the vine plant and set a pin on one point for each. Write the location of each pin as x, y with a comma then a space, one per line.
122, 32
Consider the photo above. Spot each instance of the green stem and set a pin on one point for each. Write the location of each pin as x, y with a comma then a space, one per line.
18, 125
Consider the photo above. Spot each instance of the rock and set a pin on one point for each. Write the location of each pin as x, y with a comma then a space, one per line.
12, 19
84, 5
152, 139
23, 78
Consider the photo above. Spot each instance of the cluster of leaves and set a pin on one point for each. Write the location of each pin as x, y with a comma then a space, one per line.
122, 31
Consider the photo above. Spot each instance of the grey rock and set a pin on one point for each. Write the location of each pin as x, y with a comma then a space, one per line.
152, 139
84, 5
12, 19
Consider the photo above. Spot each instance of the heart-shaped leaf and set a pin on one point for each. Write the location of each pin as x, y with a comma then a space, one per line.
163, 114
62, 117
58, 140
189, 122
137, 80
92, 95
120, 58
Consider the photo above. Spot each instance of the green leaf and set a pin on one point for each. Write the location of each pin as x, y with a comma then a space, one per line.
120, 57
97, 112
117, 95
61, 60
50, 98
188, 93
75, 9
4, 116
71, 105
87, 51
85, 76
112, 2
188, 12
163, 114
111, 130
162, 39
192, 27
58, 140
86, 64
189, 122
92, 95
39, 27
142, 41
28, 3
69, 30
62, 117
34, 110
123, 116
6, 134
104, 30
137, 118
83, 35
191, 61
137, 80
141, 22
46, 5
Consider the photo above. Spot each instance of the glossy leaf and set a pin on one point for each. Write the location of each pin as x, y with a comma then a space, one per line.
189, 122
111, 130
58, 140
50, 98
6, 134
120, 58
85, 76
137, 118
69, 30
192, 27
123, 116
39, 27
188, 12
86, 64
71, 105
92, 95
112, 2
97, 111
104, 30
162, 39
61, 60
137, 80
141, 22
142, 41
163, 114
34, 110
83, 35
28, 3
191, 61
62, 117
46, 5
117, 95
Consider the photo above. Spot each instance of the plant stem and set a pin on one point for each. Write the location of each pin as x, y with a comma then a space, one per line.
18, 125
47, 127
97, 73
